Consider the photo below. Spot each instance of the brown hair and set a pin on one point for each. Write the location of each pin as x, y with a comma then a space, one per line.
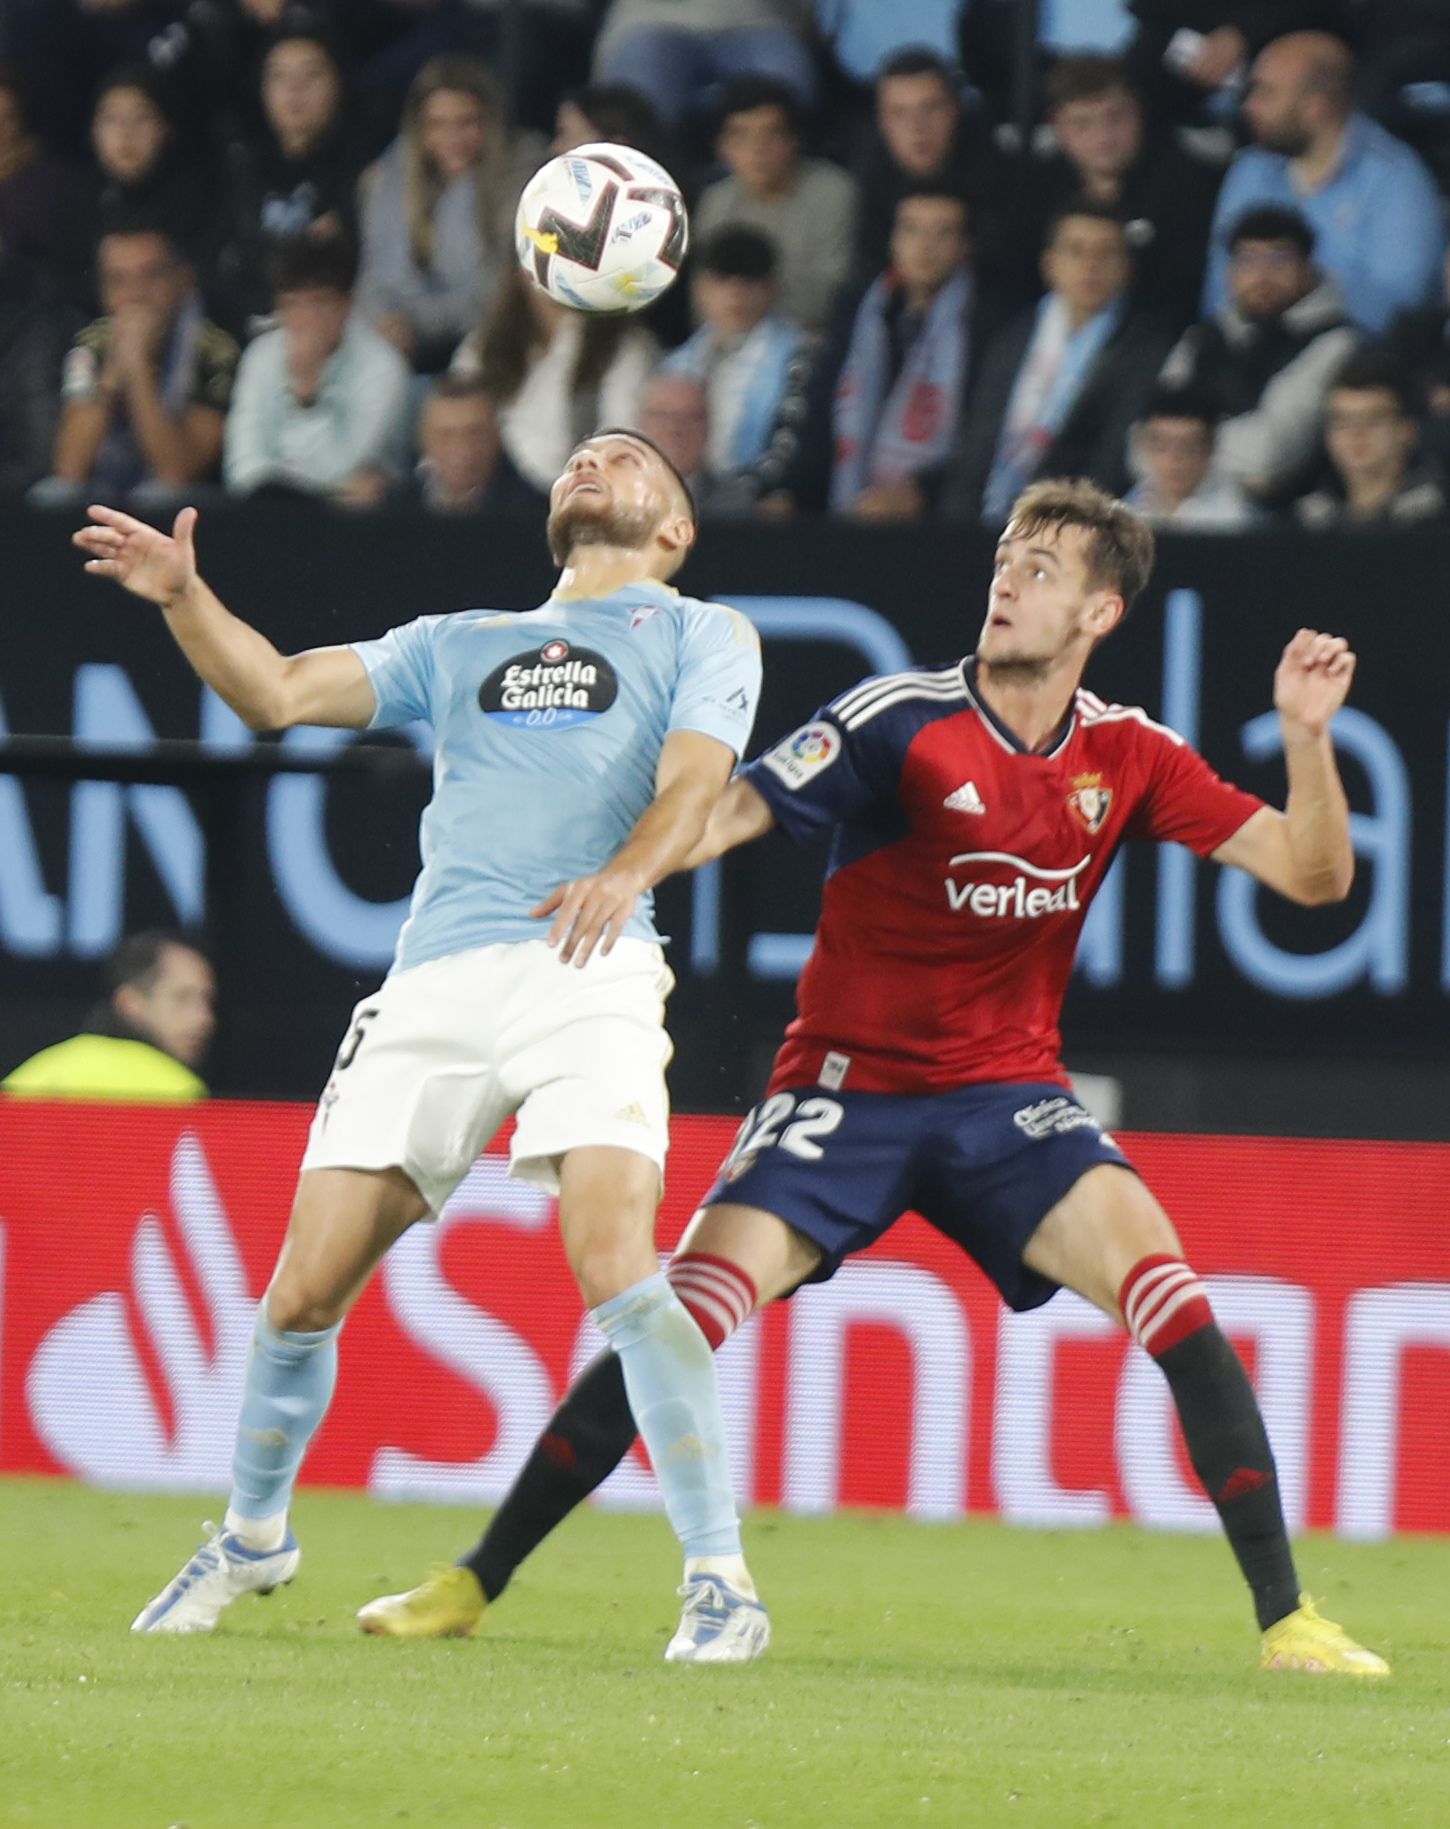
1084, 76
511, 338
1119, 544
423, 184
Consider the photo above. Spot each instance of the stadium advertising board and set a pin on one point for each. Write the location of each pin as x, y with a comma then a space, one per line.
1175, 955
134, 1245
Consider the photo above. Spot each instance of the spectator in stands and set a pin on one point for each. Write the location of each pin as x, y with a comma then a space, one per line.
146, 387
920, 137
322, 400
744, 351
611, 111
674, 411
31, 346
1060, 386
142, 172
38, 193
1380, 479
67, 46
1188, 52
1377, 221
462, 467
438, 211
885, 396
145, 1041
300, 175
1179, 483
675, 51
1104, 153
556, 374
806, 206
1268, 357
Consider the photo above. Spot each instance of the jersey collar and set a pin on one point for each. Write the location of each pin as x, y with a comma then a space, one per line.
1009, 738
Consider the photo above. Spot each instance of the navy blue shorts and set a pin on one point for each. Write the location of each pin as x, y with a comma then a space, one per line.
983, 1164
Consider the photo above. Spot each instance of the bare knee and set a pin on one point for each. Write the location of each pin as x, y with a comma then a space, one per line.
294, 1308
607, 1201
607, 1264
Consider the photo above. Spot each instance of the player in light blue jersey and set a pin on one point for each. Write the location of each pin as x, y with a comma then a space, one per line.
579, 749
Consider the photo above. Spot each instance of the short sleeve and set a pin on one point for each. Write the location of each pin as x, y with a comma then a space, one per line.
1186, 803
400, 665
824, 775
718, 685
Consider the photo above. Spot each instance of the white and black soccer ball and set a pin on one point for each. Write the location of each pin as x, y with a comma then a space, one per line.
602, 228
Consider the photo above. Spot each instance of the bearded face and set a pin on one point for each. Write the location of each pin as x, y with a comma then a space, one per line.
590, 517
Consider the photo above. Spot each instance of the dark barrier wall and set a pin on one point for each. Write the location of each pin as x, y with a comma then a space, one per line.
1177, 956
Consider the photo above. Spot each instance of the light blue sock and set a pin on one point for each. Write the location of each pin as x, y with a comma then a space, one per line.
289, 1384
669, 1374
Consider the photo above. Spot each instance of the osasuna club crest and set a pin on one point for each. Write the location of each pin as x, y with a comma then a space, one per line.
550, 688
1090, 800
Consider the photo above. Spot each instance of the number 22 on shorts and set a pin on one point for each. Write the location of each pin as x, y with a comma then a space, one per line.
790, 1122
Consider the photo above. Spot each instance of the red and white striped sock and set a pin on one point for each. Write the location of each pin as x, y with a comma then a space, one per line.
1163, 1302
717, 1293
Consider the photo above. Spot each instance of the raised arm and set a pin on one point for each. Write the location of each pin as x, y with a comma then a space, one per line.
268, 690
738, 816
1305, 852
594, 910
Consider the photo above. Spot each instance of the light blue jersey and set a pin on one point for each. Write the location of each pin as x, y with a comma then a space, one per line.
548, 726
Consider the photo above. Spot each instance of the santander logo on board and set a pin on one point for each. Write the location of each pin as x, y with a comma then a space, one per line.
1029, 895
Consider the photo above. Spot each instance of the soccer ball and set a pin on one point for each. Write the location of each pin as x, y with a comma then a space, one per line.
602, 228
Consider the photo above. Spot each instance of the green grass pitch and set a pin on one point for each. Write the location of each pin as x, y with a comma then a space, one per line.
921, 1674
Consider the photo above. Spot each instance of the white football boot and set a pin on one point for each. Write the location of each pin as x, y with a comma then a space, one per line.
221, 1571
718, 1625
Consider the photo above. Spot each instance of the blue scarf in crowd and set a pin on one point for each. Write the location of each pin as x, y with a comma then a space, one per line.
758, 369
886, 436
1055, 365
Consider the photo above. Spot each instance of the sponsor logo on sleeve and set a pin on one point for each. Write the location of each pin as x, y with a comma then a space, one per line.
803, 756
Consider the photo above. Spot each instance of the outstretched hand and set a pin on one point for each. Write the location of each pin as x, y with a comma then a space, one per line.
591, 911
151, 564
1312, 680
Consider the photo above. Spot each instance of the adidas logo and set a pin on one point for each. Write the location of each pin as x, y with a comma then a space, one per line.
633, 1113
965, 799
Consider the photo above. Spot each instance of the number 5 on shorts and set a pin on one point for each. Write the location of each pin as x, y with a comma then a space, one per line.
353, 1040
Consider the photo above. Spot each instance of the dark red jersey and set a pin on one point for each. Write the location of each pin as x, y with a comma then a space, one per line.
961, 871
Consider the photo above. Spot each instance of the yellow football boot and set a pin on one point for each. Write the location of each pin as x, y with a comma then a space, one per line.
449, 1604
1304, 1641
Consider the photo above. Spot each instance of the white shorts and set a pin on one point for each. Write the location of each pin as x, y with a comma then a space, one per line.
435, 1061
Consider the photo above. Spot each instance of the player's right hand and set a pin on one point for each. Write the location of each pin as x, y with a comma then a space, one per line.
153, 565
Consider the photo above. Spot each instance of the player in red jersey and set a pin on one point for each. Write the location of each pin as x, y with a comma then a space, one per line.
976, 808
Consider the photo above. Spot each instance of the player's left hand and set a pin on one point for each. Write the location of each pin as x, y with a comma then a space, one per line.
1312, 680
591, 911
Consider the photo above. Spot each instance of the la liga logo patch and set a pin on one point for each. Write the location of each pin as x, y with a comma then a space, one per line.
1090, 800
804, 754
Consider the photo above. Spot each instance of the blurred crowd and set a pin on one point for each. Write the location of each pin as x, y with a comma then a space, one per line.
1195, 251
